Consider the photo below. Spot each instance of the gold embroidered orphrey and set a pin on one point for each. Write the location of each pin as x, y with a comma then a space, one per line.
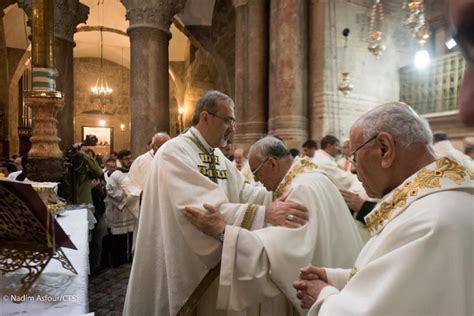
424, 179
353, 272
302, 166
190, 305
208, 157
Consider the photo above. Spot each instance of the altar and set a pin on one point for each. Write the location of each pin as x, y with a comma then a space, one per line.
57, 291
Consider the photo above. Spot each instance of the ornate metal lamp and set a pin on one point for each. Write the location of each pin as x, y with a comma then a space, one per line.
376, 45
345, 86
101, 92
416, 21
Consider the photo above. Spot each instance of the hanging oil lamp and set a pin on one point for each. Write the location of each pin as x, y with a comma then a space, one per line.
376, 29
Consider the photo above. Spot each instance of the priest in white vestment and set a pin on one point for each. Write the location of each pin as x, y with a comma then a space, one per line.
118, 216
260, 264
134, 183
325, 158
242, 164
420, 258
175, 266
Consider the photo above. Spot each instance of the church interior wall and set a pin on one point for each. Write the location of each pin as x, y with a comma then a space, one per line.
86, 72
210, 63
375, 79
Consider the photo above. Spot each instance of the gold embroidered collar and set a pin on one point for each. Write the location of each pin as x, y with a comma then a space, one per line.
426, 180
298, 167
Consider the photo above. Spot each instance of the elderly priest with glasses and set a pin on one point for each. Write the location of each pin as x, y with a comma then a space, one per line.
262, 264
420, 258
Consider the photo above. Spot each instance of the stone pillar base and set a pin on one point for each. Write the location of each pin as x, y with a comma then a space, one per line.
44, 157
45, 169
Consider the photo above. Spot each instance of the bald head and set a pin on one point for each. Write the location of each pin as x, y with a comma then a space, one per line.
158, 140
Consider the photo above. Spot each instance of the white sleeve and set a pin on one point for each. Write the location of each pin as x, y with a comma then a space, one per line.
244, 278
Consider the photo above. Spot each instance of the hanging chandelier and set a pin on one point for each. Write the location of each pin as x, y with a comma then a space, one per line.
376, 29
416, 21
101, 92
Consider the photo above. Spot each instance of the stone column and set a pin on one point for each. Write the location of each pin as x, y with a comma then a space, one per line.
67, 15
316, 67
251, 70
240, 69
4, 93
288, 71
149, 38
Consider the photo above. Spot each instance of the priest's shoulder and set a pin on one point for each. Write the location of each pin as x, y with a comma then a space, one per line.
445, 208
179, 144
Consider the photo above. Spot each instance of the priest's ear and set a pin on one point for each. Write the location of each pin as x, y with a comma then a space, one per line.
204, 117
386, 145
272, 162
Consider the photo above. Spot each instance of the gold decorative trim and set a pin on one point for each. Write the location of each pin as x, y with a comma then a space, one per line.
249, 216
304, 165
353, 272
193, 300
44, 94
424, 179
211, 157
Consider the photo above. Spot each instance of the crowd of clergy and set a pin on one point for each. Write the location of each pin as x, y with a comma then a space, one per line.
379, 224
387, 229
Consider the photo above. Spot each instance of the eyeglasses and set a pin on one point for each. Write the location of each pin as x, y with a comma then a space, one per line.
228, 120
351, 156
254, 172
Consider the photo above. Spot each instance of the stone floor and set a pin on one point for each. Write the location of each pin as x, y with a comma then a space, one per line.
107, 291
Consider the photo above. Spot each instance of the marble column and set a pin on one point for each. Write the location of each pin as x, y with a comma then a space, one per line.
288, 71
240, 69
67, 15
251, 70
316, 82
4, 93
149, 33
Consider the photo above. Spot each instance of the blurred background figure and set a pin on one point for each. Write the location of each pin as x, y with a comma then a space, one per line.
443, 147
309, 148
242, 164
344, 163
469, 151
294, 152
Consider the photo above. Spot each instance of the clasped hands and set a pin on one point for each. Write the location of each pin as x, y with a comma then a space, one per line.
280, 212
309, 284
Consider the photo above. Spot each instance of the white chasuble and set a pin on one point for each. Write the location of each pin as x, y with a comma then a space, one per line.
134, 184
344, 180
172, 258
420, 259
264, 263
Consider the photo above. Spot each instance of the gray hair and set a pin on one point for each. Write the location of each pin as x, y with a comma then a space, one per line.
269, 146
399, 120
165, 134
208, 102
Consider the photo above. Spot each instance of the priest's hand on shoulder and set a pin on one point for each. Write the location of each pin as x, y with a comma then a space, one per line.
309, 284
286, 213
353, 200
208, 220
